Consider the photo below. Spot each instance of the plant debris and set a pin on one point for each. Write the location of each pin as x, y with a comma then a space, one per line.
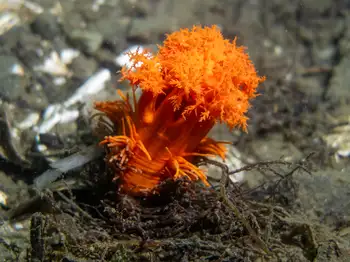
186, 222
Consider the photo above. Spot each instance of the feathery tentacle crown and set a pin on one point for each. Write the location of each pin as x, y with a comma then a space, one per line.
196, 79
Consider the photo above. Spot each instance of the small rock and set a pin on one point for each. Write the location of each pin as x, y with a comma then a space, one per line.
339, 89
88, 41
144, 30
29, 48
51, 140
276, 147
46, 25
35, 98
316, 7
106, 59
15, 143
113, 29
10, 38
97, 10
83, 67
11, 82
73, 22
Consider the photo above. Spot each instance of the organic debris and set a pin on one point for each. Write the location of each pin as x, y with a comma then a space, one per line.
187, 222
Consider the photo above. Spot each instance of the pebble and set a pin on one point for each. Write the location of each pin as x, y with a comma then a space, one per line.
11, 77
46, 25
87, 41
83, 67
3, 199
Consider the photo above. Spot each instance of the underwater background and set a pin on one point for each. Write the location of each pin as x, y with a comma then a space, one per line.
287, 196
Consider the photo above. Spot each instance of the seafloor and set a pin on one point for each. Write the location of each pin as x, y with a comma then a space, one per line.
293, 204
